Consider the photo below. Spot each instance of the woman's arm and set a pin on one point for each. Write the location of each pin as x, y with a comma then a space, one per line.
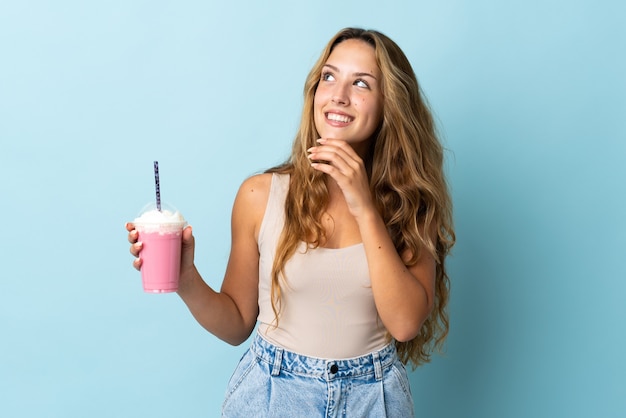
231, 313
404, 296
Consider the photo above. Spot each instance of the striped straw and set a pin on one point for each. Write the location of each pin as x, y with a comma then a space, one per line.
157, 186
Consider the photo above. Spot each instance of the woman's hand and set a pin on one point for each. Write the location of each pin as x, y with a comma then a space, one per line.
345, 166
186, 255
187, 251
403, 295
135, 245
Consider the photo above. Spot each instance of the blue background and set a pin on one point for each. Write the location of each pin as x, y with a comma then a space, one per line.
530, 97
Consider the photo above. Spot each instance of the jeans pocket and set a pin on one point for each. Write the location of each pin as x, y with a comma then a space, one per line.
245, 365
402, 378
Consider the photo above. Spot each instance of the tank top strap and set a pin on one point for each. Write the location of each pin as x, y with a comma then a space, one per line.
274, 217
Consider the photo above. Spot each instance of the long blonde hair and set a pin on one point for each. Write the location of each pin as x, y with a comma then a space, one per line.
405, 168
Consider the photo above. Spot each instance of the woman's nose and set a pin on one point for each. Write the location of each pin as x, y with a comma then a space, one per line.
340, 95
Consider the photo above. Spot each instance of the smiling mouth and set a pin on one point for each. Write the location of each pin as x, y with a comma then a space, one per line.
338, 118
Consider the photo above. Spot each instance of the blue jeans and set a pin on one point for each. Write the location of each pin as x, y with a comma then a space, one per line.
272, 382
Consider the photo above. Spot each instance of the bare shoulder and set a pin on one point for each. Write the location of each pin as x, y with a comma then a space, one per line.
255, 190
252, 199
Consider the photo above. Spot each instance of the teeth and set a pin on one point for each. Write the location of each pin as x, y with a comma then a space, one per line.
338, 118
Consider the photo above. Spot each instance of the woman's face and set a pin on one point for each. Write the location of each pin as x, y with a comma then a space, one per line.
348, 102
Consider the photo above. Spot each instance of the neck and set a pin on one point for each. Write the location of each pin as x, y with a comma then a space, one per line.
362, 148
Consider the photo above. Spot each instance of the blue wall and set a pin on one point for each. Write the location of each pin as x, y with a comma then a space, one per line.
531, 100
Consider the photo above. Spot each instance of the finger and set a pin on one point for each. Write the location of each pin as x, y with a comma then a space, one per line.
129, 226
340, 145
133, 236
336, 164
188, 248
187, 234
328, 154
137, 263
135, 248
341, 149
188, 240
324, 168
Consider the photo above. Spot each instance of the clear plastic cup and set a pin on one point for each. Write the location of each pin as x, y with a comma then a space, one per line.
160, 232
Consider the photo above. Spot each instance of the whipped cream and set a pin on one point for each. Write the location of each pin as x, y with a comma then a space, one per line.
164, 221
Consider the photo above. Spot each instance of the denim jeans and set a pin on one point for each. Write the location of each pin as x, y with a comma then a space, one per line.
272, 382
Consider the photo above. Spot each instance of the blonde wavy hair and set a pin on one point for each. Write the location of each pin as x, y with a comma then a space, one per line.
405, 169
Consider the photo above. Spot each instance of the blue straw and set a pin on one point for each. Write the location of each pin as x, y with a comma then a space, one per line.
157, 186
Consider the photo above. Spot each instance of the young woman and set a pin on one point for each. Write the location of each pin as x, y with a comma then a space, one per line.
338, 254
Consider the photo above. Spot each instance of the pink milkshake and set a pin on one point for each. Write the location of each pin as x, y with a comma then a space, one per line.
161, 234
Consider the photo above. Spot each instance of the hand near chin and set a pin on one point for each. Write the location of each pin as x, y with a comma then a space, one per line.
346, 167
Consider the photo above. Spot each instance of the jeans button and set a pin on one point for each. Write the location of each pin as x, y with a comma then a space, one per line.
334, 369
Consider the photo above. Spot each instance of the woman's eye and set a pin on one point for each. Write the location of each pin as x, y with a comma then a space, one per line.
361, 83
327, 77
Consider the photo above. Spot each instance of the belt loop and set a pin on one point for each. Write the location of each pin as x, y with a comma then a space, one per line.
378, 369
278, 358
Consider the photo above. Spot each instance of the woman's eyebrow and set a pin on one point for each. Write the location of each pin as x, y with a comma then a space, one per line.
358, 74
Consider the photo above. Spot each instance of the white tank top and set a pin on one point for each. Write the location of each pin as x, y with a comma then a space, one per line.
327, 303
